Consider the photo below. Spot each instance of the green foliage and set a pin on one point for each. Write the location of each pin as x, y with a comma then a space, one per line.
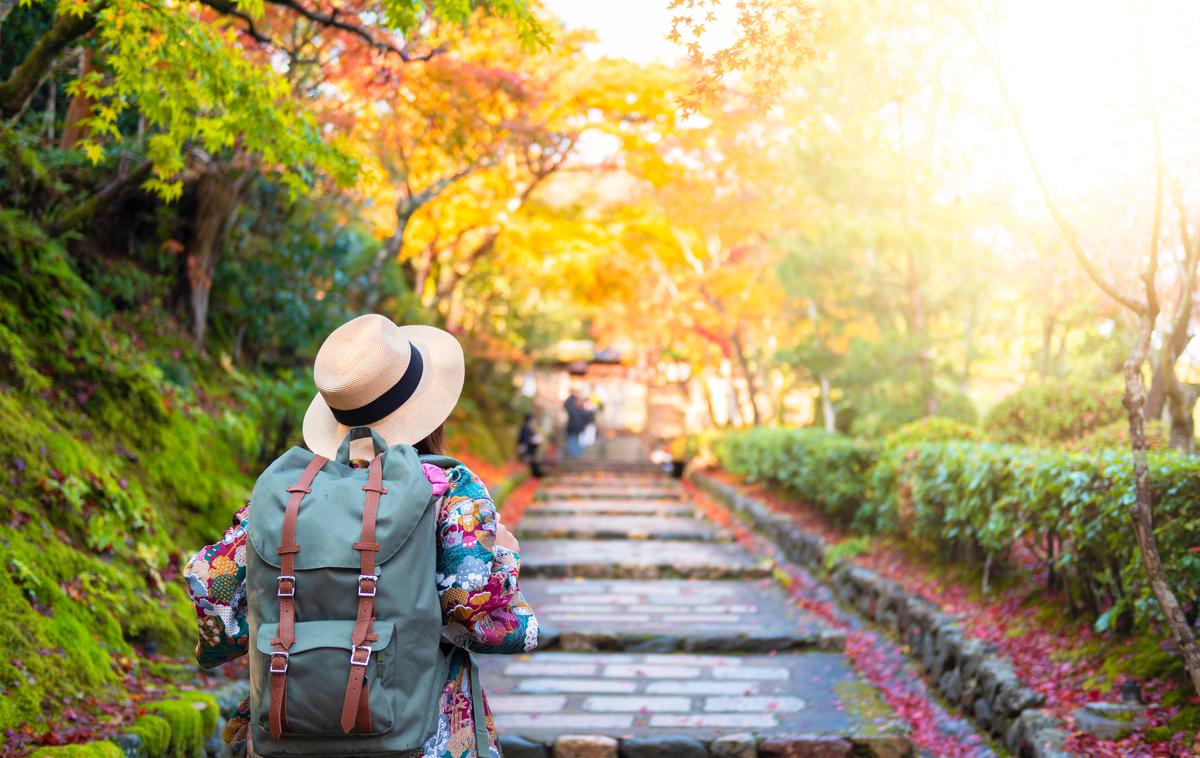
970, 500
847, 548
1053, 413
1115, 436
192, 83
298, 264
931, 429
90, 750
828, 470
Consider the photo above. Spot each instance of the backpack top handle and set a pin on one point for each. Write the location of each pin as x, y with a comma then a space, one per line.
358, 433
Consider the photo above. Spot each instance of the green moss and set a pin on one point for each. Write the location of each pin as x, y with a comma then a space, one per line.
1159, 734
186, 721
210, 710
864, 704
1141, 658
155, 733
1187, 720
90, 750
97, 517
847, 548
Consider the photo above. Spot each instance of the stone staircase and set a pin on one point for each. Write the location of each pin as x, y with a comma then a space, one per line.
664, 637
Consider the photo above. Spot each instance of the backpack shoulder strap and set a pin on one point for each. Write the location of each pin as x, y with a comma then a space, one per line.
360, 651
441, 461
478, 713
287, 594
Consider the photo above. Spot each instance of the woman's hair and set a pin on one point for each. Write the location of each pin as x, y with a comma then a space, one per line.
434, 444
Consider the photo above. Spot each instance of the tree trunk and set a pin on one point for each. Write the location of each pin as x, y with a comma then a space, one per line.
828, 414
744, 364
79, 108
1181, 406
916, 328
1141, 513
1048, 323
390, 250
708, 402
217, 198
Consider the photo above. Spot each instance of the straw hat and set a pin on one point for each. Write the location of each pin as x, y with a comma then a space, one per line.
402, 381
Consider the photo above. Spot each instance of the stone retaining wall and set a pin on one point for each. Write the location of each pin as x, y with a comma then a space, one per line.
972, 675
726, 746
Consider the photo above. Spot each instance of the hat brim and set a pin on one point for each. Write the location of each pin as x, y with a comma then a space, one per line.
428, 408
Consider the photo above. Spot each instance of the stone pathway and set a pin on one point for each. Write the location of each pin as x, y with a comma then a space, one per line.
665, 638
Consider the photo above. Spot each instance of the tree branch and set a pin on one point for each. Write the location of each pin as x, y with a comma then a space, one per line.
333, 22
83, 211
1056, 213
25, 78
327, 20
1149, 277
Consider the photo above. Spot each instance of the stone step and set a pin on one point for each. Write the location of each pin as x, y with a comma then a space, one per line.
611, 527
673, 615
609, 493
609, 479
614, 507
639, 559
543, 695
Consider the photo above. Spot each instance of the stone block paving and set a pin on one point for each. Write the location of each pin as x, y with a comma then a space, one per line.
669, 615
610, 526
561, 491
662, 639
639, 559
610, 507
543, 695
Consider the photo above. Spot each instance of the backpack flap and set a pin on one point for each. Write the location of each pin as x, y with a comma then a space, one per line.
316, 659
334, 508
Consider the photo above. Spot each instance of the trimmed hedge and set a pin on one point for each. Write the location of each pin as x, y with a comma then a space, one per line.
1062, 515
1054, 412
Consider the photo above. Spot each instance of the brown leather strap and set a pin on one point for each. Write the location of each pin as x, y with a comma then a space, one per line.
360, 651
286, 591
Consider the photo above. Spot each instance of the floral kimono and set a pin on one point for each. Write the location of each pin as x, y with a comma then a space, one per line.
482, 607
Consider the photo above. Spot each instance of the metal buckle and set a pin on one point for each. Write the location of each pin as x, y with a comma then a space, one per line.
274, 654
373, 579
354, 649
279, 586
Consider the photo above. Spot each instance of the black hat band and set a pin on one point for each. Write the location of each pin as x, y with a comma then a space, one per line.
389, 401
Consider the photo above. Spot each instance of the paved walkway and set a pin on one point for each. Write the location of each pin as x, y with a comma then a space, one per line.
662, 632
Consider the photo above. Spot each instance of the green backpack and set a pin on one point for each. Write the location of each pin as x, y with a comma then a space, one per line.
345, 621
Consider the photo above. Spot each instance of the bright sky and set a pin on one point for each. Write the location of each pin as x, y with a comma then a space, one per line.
1072, 66
633, 29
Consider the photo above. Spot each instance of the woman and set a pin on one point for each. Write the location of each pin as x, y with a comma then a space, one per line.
403, 382
528, 443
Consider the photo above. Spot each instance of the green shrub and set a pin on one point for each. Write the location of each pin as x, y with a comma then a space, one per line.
1053, 413
931, 429
1115, 436
970, 501
828, 470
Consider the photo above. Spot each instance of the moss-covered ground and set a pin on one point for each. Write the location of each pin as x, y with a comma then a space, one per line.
124, 449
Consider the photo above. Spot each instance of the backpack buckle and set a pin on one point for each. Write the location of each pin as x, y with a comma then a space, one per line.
354, 649
290, 591
373, 579
275, 654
